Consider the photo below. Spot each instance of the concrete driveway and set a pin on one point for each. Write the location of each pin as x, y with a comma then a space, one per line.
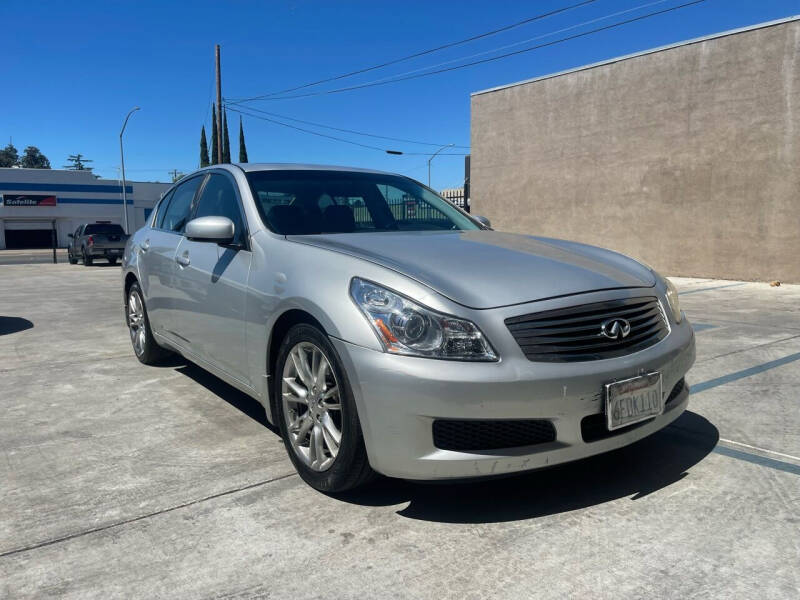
120, 480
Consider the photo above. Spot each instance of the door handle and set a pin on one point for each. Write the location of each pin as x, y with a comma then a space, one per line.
182, 261
145, 246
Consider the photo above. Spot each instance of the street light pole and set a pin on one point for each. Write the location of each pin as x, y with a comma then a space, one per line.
434, 156
122, 163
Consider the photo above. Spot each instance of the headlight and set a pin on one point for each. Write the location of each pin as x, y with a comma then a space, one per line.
672, 299
405, 327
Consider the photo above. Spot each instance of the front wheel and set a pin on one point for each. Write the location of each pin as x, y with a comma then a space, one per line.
316, 413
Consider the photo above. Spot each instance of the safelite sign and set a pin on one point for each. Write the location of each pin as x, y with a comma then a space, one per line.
28, 200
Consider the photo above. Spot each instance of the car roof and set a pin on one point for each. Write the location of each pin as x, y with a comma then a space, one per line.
251, 167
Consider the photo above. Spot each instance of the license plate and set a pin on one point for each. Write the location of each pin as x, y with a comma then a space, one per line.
115, 251
633, 400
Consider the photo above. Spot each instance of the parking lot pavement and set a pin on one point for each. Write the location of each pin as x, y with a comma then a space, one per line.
120, 480
28, 257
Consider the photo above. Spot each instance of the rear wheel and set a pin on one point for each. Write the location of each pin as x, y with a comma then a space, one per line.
87, 260
112, 261
316, 413
144, 344
72, 259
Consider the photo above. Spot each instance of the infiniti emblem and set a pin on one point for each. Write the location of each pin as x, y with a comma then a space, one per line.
615, 329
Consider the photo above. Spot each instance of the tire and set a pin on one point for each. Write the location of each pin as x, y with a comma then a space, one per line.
112, 261
327, 472
144, 344
87, 260
72, 261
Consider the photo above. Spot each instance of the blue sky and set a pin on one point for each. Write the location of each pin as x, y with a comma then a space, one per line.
71, 71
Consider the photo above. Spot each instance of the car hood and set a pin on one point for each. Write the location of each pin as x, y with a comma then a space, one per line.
488, 269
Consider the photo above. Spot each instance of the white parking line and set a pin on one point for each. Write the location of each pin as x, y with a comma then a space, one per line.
797, 458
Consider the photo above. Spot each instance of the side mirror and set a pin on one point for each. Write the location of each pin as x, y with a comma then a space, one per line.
70, 235
210, 229
483, 221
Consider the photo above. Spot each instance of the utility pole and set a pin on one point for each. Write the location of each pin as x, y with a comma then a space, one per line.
218, 124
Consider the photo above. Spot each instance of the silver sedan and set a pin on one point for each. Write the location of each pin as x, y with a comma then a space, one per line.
385, 330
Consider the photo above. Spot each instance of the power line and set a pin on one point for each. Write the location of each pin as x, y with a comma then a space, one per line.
332, 137
353, 131
491, 59
424, 52
505, 46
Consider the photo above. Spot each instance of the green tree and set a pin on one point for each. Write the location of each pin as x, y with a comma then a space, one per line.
203, 148
214, 135
242, 147
34, 159
9, 157
77, 163
226, 142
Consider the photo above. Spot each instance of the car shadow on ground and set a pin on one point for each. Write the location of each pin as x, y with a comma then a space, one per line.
635, 471
14, 325
249, 406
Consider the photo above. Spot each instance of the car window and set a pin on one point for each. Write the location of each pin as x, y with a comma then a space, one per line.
412, 211
312, 202
104, 228
218, 199
180, 205
162, 209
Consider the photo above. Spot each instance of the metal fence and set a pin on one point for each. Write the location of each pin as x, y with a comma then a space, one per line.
457, 197
408, 210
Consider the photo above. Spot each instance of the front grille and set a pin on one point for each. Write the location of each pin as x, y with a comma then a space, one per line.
594, 427
573, 334
474, 436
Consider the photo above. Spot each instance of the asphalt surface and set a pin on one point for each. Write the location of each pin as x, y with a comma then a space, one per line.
120, 480
32, 257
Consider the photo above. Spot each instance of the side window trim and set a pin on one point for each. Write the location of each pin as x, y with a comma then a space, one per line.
158, 208
239, 203
197, 195
163, 207
171, 195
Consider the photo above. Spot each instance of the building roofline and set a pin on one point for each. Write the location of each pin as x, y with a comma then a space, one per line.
617, 59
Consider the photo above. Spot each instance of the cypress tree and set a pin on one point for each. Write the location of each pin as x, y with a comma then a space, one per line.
242, 147
214, 134
226, 142
203, 148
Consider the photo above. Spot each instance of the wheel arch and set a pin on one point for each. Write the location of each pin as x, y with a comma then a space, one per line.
282, 325
130, 279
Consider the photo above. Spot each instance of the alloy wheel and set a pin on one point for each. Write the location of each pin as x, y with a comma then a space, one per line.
311, 406
136, 323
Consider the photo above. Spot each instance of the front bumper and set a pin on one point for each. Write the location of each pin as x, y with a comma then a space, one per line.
398, 398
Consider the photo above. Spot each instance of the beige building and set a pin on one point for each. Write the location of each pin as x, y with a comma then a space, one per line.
686, 156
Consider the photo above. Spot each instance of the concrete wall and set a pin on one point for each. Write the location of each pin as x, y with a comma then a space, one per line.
688, 157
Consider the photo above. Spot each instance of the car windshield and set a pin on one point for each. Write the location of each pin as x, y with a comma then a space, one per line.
103, 228
314, 202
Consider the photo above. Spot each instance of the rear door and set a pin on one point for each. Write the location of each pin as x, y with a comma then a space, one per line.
209, 310
157, 266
